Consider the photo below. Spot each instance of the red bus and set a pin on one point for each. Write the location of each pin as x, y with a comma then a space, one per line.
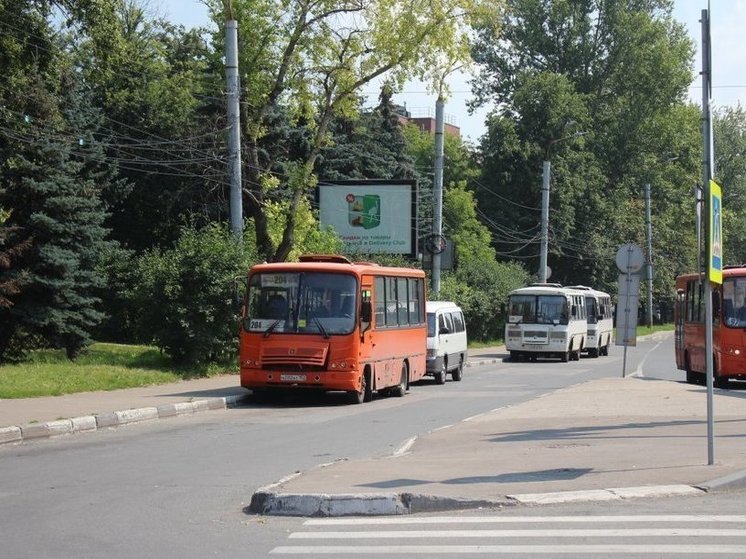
325, 324
728, 327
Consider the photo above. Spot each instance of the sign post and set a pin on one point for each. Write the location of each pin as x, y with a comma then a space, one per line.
713, 210
629, 260
714, 201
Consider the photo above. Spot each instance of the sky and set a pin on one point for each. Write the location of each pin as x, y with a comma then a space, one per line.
727, 22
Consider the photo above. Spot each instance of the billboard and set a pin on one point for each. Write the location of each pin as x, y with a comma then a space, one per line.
371, 216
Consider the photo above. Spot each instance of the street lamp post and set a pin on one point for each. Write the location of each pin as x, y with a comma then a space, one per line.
545, 180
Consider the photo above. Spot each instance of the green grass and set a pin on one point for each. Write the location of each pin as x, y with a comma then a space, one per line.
644, 330
103, 367
475, 344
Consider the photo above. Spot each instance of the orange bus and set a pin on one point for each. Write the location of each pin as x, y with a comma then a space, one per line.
728, 327
325, 323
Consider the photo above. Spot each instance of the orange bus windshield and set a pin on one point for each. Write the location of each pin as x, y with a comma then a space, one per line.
734, 302
307, 302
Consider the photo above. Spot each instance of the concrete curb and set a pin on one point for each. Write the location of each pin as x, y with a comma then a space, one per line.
374, 504
15, 434
266, 502
480, 362
726, 483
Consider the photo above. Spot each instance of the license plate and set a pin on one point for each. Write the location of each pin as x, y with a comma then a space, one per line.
293, 378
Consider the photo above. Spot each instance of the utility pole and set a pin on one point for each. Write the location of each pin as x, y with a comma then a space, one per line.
649, 263
545, 180
438, 192
234, 123
545, 176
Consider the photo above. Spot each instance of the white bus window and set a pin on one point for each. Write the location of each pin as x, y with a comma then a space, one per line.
551, 308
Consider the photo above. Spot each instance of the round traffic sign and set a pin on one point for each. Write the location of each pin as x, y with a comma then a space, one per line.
629, 258
435, 244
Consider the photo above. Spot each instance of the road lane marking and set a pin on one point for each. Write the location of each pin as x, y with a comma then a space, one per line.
403, 449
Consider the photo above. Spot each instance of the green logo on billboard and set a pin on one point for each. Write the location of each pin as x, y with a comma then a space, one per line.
364, 211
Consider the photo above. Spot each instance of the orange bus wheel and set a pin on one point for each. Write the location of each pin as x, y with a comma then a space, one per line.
401, 389
367, 386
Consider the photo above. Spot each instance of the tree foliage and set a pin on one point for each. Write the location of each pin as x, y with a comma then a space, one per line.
112, 125
185, 296
314, 57
597, 88
155, 83
10, 285
729, 127
52, 176
371, 145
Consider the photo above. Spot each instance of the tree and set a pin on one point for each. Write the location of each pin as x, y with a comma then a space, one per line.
52, 174
185, 296
615, 71
154, 82
314, 56
10, 284
371, 145
729, 126
460, 165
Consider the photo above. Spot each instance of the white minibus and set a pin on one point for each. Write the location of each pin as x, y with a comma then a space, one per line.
546, 320
600, 320
446, 340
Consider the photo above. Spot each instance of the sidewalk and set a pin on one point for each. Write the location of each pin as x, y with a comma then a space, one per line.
606, 439
609, 439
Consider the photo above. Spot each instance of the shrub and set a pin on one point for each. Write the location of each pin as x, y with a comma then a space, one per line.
186, 297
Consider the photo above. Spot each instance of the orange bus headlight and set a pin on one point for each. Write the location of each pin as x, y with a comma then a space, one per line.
734, 350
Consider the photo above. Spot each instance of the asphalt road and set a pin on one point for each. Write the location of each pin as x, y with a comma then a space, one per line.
178, 488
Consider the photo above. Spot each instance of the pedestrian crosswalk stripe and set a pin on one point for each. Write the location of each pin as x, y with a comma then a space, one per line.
349, 550
555, 533
378, 521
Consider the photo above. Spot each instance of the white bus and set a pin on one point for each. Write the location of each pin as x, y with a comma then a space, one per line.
600, 320
546, 320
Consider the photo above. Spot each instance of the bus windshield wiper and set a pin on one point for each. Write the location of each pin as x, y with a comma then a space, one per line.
271, 327
321, 328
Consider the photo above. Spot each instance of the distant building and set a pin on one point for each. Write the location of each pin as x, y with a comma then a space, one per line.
425, 120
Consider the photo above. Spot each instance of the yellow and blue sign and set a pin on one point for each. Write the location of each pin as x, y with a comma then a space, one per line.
715, 254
